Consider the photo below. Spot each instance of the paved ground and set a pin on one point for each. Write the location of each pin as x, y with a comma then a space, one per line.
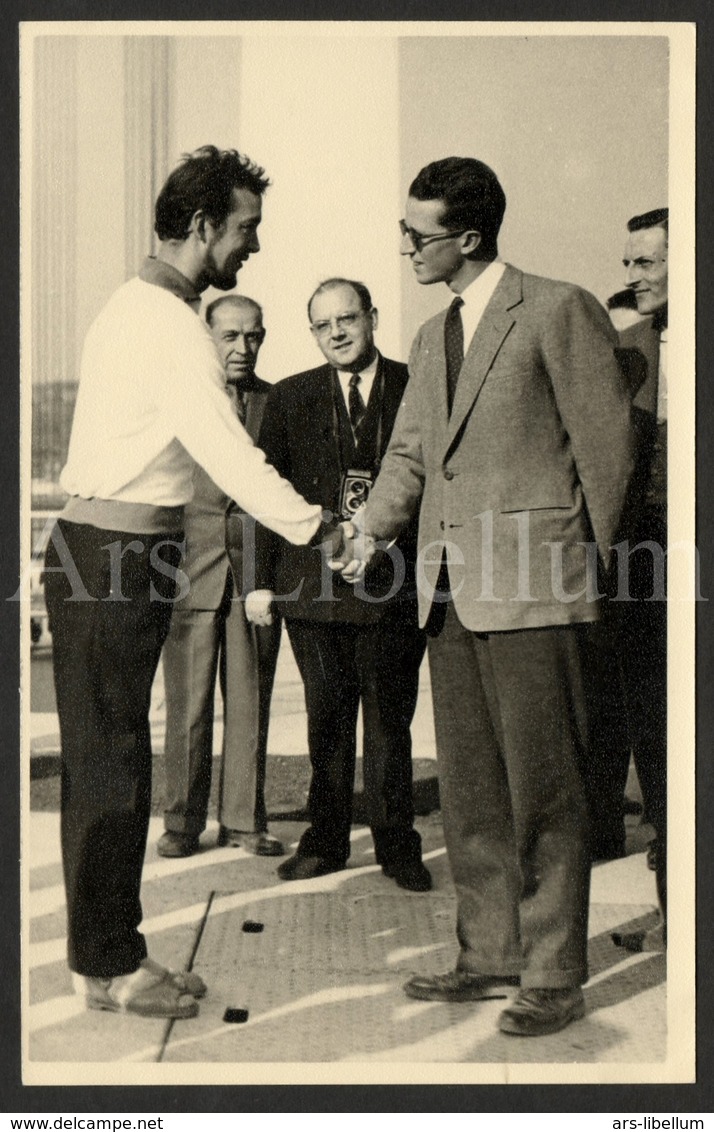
320, 983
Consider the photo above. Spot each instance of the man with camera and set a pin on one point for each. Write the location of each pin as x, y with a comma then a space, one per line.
326, 430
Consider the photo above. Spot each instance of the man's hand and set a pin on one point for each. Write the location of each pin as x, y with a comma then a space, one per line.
353, 556
258, 607
333, 545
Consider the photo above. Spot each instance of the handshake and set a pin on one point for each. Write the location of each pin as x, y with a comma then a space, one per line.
347, 550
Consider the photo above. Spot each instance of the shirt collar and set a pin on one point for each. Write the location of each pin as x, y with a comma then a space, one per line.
483, 283
162, 274
368, 371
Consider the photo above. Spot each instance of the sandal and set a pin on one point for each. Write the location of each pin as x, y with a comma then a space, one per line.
188, 982
161, 999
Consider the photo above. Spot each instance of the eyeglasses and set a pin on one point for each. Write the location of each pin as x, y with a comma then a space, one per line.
419, 239
342, 322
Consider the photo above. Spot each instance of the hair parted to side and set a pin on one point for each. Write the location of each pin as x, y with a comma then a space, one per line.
657, 218
205, 179
330, 284
234, 301
472, 197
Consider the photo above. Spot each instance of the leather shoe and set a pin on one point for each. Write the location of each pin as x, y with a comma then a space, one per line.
459, 986
542, 1010
412, 875
298, 867
651, 940
260, 844
172, 844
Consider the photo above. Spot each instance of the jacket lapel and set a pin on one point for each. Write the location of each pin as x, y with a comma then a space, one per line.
316, 419
255, 404
491, 332
393, 394
317, 412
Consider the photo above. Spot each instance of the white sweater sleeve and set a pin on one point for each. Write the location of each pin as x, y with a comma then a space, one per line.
202, 418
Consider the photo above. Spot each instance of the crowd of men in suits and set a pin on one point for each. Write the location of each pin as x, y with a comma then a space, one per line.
468, 505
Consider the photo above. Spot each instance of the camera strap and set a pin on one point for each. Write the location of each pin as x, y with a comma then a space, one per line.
340, 414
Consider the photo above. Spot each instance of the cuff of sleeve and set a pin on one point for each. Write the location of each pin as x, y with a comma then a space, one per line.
325, 530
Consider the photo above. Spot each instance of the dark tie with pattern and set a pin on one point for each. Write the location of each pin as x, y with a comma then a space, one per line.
237, 394
454, 347
356, 405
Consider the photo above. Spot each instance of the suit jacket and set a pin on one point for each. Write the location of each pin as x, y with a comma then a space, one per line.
532, 464
639, 352
213, 526
299, 435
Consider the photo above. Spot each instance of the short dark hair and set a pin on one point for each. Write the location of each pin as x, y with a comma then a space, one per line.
234, 301
658, 218
329, 285
471, 194
205, 179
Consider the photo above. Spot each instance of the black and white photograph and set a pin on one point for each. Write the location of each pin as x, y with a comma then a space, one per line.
359, 576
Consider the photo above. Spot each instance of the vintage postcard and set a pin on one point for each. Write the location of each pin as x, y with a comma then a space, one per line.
307, 945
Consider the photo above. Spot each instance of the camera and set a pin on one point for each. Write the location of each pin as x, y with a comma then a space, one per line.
356, 486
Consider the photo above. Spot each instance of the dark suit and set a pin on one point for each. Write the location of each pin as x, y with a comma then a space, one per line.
639, 627
629, 665
531, 465
209, 626
351, 644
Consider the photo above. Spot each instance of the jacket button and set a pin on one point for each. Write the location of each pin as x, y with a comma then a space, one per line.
448, 474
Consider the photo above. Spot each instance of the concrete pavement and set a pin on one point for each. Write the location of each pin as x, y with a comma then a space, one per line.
320, 980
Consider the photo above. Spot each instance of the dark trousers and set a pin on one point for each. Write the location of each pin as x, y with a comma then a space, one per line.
628, 687
640, 632
200, 641
607, 758
341, 665
510, 716
107, 635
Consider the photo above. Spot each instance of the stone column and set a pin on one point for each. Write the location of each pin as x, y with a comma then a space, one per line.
51, 231
146, 119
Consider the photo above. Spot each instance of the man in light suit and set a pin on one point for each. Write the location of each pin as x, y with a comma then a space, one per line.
514, 434
640, 625
209, 627
326, 430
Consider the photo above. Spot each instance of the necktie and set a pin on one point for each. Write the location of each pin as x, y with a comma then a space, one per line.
454, 347
237, 396
356, 405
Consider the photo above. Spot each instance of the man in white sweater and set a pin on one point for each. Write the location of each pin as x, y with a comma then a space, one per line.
151, 405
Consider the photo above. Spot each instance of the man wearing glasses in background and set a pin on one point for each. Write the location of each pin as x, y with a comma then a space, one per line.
514, 436
325, 431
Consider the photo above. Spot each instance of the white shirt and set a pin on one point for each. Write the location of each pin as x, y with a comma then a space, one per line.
662, 382
366, 381
152, 403
476, 298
